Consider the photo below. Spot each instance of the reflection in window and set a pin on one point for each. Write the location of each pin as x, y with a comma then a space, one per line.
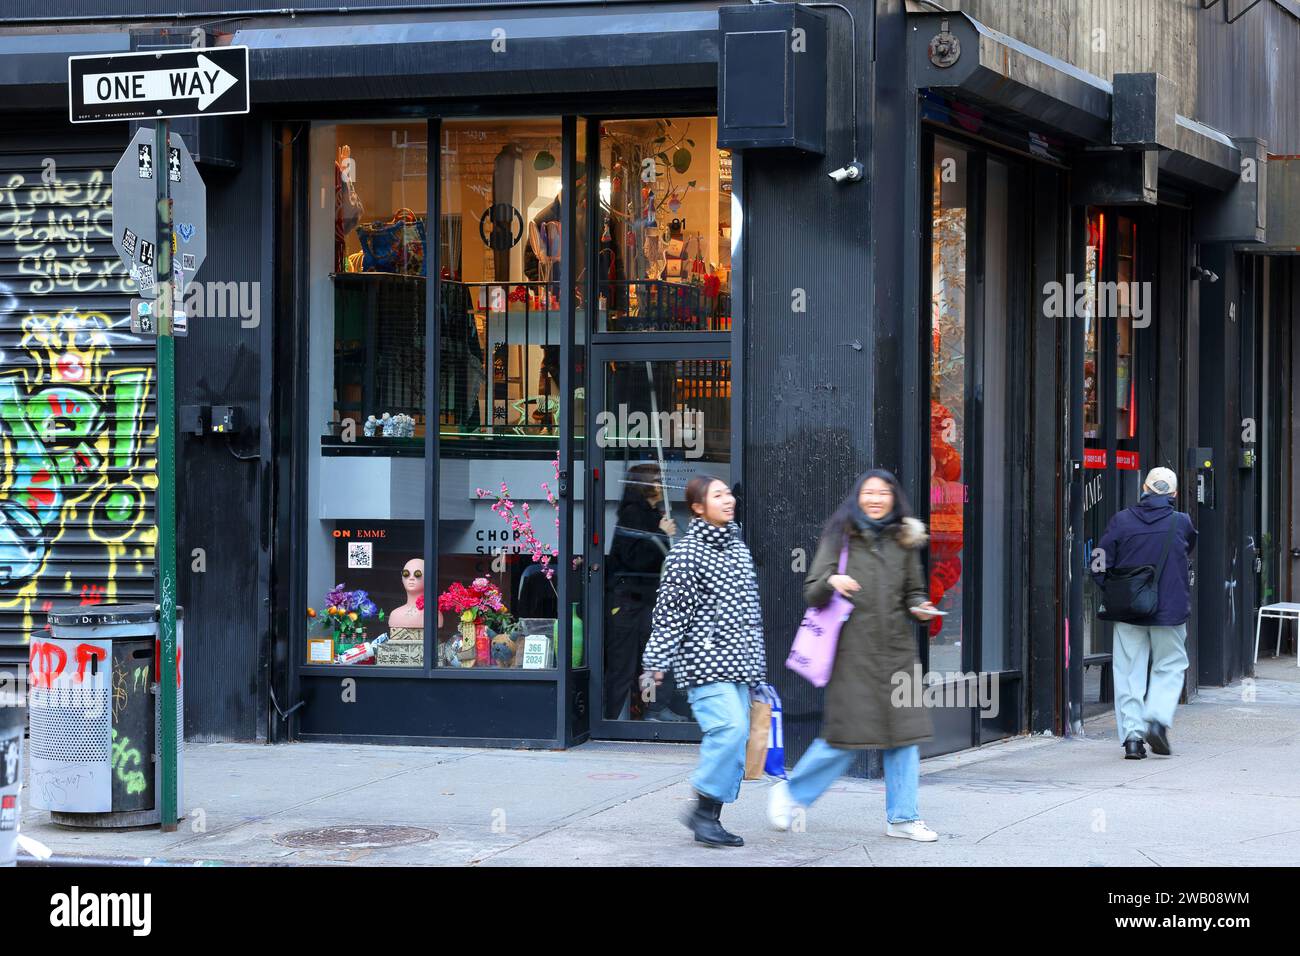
1125, 386
947, 399
664, 255
665, 422
1092, 271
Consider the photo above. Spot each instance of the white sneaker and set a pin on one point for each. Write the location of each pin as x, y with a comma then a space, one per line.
780, 805
911, 830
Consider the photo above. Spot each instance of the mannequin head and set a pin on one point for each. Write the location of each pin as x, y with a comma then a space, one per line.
413, 578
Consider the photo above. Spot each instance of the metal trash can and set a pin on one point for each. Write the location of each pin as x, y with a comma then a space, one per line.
13, 720
95, 723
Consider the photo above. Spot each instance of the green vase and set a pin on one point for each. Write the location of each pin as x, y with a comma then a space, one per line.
577, 656
578, 648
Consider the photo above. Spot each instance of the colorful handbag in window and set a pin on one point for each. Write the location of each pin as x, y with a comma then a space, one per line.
393, 246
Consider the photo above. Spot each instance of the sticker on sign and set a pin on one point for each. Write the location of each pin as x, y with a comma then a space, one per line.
212, 81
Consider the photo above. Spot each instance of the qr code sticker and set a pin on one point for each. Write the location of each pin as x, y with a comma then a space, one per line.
359, 554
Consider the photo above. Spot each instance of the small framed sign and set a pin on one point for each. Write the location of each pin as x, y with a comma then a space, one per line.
320, 650
537, 652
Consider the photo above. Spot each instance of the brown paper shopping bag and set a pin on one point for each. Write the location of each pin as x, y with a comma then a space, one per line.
760, 728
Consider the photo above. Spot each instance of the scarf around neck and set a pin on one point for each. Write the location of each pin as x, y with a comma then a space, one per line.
864, 521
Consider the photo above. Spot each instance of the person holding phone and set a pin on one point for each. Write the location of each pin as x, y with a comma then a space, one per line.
884, 581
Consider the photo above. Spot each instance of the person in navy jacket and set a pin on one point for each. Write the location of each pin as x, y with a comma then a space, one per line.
1135, 537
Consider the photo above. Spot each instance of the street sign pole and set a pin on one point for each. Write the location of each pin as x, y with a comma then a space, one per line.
166, 545
156, 86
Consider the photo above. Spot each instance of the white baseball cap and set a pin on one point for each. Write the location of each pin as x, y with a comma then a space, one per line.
1162, 481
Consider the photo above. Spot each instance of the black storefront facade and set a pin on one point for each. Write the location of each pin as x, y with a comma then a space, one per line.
978, 313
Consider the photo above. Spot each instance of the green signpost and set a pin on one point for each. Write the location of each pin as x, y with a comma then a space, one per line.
166, 500
158, 194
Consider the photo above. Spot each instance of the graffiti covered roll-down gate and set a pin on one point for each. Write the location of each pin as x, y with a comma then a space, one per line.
78, 430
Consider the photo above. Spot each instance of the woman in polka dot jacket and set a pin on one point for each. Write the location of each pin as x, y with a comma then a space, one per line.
707, 627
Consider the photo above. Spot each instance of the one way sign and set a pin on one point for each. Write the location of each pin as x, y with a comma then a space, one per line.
208, 81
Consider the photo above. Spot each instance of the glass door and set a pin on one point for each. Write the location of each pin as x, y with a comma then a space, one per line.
1114, 388
659, 416
978, 303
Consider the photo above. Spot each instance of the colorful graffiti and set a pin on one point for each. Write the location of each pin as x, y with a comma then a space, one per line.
75, 390
72, 442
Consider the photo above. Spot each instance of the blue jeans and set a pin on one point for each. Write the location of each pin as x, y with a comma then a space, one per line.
1138, 702
822, 764
722, 711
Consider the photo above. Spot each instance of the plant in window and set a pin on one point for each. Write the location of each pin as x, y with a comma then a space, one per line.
483, 615
522, 522
345, 615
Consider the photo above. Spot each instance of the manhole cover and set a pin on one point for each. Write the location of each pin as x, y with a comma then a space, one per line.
355, 838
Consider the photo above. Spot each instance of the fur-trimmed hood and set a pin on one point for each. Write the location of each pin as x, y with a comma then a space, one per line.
912, 533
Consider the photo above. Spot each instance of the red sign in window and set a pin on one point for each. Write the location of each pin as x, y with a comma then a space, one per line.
1126, 460
1094, 458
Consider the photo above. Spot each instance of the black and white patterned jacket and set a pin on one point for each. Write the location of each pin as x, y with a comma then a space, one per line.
707, 624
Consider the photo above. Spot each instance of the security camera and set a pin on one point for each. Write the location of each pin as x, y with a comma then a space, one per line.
1201, 274
851, 173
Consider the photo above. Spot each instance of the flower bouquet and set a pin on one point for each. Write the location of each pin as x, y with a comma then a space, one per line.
479, 608
345, 616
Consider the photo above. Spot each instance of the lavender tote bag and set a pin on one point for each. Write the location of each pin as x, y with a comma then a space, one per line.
813, 652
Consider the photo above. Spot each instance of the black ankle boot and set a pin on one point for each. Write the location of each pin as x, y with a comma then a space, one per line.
705, 821
1134, 749
1158, 738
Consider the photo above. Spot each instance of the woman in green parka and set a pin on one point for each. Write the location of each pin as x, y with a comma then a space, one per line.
870, 701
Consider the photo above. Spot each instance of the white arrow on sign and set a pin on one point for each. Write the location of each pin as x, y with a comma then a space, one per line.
207, 81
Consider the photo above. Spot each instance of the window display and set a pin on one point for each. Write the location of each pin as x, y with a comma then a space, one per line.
664, 254
366, 250
948, 486
499, 390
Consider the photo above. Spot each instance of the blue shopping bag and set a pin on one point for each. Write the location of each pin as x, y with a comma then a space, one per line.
774, 764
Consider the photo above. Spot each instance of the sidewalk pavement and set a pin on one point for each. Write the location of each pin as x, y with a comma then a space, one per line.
1227, 797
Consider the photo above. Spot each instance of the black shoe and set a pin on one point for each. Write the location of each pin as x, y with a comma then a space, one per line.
1133, 749
1158, 738
704, 821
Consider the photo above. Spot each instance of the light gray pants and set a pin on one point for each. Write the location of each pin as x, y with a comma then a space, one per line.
1136, 701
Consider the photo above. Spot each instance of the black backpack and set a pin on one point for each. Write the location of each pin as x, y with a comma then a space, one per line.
1132, 595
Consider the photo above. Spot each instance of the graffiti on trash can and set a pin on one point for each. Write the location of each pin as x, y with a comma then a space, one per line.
124, 756
47, 661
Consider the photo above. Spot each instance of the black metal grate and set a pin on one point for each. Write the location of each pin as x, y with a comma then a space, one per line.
78, 426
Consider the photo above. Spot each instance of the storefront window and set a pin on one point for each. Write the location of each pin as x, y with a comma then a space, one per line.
664, 255
997, 478
499, 388
1095, 503
1125, 386
948, 489
366, 260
